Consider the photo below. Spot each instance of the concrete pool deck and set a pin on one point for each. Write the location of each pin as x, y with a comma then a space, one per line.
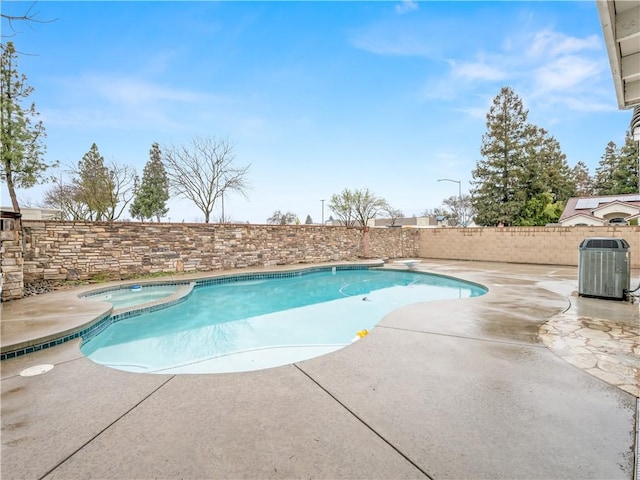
528, 381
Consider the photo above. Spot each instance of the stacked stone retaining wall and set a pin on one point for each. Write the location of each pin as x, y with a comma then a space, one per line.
537, 245
11, 261
85, 250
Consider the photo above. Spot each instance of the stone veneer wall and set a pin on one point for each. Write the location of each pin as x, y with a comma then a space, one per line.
11, 260
82, 250
538, 245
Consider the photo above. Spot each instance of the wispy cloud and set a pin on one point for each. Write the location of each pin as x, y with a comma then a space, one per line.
550, 43
406, 6
389, 40
564, 73
114, 101
477, 71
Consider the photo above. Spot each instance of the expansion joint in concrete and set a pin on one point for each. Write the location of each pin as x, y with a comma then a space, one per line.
363, 422
107, 427
465, 337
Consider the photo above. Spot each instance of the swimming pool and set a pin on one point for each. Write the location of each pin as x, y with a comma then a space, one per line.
259, 323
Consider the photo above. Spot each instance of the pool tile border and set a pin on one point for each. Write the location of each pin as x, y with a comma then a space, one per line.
104, 321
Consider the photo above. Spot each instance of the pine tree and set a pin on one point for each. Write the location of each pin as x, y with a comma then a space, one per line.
497, 197
524, 178
21, 136
582, 179
152, 195
309, 220
626, 173
605, 183
95, 185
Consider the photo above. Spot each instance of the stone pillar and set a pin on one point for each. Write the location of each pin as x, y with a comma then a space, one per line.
11, 263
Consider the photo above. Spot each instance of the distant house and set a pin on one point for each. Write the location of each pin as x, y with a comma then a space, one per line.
30, 213
603, 210
432, 221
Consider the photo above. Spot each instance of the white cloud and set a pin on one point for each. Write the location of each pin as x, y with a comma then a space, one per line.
477, 71
565, 73
547, 43
406, 6
388, 41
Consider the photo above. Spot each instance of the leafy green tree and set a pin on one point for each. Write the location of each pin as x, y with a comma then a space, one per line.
358, 206
204, 172
151, 197
20, 133
279, 218
497, 196
617, 172
583, 180
540, 210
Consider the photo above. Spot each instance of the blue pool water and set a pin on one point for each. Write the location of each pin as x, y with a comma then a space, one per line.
130, 297
250, 325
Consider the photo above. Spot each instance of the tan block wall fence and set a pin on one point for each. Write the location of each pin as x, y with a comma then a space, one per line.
84, 250
538, 245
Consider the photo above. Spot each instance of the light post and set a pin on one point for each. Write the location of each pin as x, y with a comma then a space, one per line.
459, 196
322, 212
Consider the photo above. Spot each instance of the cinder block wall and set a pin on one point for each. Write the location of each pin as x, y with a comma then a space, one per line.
538, 245
83, 250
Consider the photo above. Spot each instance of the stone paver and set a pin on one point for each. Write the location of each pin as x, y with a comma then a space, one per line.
604, 348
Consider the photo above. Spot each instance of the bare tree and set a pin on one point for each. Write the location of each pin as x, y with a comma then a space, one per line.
64, 197
204, 171
358, 206
463, 212
280, 218
123, 181
30, 15
393, 213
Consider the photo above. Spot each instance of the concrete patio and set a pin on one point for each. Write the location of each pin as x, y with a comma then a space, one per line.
498, 386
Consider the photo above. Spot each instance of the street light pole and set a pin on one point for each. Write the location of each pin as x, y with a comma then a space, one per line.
459, 196
322, 211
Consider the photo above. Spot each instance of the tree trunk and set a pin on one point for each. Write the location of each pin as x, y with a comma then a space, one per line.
12, 192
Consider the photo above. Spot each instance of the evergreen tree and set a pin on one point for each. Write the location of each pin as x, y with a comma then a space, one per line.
20, 134
546, 180
582, 179
524, 178
308, 220
625, 176
152, 195
617, 172
95, 185
497, 197
604, 183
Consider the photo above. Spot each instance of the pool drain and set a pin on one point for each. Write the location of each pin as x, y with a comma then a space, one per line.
36, 370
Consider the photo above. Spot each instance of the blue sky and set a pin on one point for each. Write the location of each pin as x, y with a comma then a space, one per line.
315, 96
